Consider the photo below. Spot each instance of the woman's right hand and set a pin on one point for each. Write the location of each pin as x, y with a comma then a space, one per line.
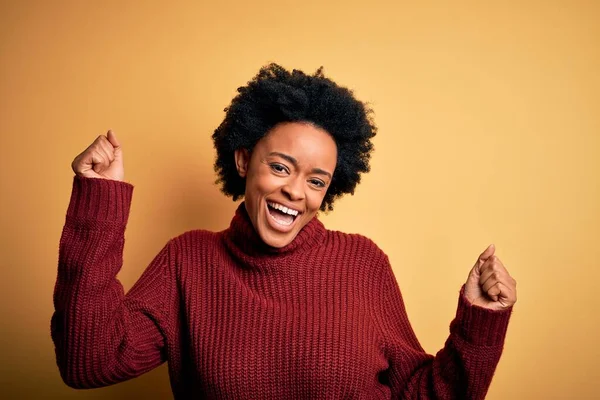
102, 159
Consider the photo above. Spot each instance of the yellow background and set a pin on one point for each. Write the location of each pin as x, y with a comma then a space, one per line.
489, 131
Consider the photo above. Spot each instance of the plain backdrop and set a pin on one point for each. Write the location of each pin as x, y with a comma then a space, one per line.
489, 132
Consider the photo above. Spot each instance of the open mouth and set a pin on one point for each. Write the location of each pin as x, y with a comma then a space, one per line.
282, 215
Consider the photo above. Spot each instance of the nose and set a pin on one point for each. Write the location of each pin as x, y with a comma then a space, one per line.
294, 189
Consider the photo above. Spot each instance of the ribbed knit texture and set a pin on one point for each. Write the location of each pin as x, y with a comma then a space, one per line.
322, 318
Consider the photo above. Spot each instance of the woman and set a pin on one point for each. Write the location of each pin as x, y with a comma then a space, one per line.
275, 306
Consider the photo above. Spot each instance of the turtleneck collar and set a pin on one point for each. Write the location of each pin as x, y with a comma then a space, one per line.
247, 247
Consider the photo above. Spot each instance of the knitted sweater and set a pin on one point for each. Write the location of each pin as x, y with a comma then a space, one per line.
321, 318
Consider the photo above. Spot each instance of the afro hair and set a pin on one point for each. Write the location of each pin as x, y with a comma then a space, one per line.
276, 95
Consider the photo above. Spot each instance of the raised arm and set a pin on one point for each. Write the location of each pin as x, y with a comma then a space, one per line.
101, 335
464, 367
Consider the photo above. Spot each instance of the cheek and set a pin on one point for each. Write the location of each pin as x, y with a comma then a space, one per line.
314, 199
264, 182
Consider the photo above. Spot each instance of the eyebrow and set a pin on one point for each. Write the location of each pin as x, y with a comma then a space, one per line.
294, 162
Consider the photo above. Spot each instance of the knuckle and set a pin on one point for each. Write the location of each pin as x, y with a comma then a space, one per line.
99, 156
94, 147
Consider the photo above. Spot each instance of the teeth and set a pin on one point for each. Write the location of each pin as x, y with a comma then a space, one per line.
283, 209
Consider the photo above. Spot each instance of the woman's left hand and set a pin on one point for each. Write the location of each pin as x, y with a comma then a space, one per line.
489, 284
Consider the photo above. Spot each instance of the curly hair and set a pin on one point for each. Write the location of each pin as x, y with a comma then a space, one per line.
276, 95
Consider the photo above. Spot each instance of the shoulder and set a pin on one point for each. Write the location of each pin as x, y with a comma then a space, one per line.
196, 234
355, 244
362, 252
197, 239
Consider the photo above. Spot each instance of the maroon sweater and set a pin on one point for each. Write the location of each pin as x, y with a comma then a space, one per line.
321, 318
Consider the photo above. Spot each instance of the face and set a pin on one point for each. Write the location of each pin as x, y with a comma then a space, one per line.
287, 175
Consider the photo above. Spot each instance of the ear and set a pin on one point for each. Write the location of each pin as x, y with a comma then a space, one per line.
242, 160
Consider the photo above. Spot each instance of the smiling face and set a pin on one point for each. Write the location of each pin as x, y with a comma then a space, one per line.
287, 175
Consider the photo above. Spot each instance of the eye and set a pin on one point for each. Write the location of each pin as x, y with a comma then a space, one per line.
279, 168
318, 183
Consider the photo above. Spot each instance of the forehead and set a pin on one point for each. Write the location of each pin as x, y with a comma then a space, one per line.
306, 143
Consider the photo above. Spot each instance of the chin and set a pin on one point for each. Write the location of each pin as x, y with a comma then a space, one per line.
276, 240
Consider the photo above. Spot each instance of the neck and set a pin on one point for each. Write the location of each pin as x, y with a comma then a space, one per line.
245, 244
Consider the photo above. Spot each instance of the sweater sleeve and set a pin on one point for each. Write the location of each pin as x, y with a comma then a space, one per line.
462, 369
101, 335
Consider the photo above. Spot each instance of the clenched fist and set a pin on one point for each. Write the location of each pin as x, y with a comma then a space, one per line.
102, 159
489, 284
